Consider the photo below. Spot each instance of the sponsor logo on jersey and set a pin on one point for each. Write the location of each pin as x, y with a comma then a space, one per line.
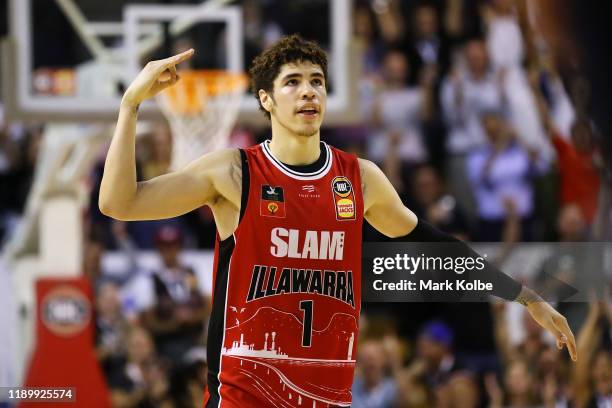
344, 198
272, 202
65, 311
265, 281
291, 243
309, 191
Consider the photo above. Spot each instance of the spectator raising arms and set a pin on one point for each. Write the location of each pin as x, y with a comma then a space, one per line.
577, 159
500, 174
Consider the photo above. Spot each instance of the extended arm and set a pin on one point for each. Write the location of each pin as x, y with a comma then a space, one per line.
384, 210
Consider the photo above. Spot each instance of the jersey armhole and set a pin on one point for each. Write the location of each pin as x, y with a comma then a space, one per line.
244, 195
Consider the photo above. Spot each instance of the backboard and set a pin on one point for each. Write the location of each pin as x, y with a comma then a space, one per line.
71, 60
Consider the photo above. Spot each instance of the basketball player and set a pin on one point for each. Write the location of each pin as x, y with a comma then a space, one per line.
289, 212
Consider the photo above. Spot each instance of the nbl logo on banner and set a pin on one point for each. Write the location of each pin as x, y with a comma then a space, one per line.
344, 198
65, 311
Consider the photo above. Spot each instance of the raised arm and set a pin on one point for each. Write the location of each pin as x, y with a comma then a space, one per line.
384, 210
169, 195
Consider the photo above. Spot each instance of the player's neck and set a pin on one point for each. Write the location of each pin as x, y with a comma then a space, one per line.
294, 149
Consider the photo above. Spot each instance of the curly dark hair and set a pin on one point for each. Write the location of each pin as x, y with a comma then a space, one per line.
267, 65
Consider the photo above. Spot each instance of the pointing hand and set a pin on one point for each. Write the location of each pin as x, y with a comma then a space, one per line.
154, 78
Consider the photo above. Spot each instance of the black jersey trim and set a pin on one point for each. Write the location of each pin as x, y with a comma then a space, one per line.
246, 182
311, 168
312, 171
216, 325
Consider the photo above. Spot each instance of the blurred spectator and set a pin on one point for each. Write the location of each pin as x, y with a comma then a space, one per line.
592, 373
411, 390
545, 81
389, 21
365, 32
531, 345
111, 325
188, 384
508, 37
577, 160
395, 353
572, 225
428, 46
139, 380
371, 388
93, 248
504, 36
160, 153
578, 164
253, 33
518, 387
93, 251
178, 317
467, 92
436, 205
434, 353
398, 112
501, 176
460, 391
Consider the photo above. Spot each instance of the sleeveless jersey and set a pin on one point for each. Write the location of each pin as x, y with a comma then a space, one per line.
287, 286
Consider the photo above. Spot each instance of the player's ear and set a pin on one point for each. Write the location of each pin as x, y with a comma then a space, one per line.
265, 99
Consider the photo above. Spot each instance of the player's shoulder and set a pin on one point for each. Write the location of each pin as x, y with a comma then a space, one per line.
217, 159
228, 154
371, 174
366, 166
216, 166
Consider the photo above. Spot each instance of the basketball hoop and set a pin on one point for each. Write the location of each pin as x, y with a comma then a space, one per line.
201, 108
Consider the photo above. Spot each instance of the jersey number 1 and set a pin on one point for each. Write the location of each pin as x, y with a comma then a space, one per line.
306, 306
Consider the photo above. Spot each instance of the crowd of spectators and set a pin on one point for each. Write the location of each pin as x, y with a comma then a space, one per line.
480, 133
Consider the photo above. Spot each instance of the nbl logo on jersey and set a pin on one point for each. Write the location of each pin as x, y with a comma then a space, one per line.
344, 198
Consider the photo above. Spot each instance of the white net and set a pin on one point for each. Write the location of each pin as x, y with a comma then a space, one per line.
201, 109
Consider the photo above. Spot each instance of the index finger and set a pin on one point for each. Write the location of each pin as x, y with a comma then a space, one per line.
571, 342
178, 58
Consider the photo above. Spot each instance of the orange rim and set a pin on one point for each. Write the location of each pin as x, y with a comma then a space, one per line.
195, 88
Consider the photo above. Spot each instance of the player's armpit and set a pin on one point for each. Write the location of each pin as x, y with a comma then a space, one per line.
383, 208
201, 182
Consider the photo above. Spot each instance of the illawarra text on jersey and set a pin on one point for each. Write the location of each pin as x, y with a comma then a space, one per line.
335, 284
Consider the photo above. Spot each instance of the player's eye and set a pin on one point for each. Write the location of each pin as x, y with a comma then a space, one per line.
317, 82
292, 82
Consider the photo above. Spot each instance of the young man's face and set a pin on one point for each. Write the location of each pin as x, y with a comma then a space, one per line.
298, 99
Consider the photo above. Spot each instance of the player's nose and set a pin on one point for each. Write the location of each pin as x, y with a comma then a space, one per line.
308, 92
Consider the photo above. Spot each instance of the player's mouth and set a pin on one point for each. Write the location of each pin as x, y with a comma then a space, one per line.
308, 111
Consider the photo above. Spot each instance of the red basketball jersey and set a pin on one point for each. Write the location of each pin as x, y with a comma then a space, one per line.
287, 286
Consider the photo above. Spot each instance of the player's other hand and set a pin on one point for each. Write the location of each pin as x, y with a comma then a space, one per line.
154, 78
556, 324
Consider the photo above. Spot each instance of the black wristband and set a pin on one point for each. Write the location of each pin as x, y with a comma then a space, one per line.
503, 285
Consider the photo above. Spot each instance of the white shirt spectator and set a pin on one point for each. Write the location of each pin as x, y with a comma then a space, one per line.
506, 51
561, 110
505, 42
400, 111
508, 178
478, 96
524, 115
